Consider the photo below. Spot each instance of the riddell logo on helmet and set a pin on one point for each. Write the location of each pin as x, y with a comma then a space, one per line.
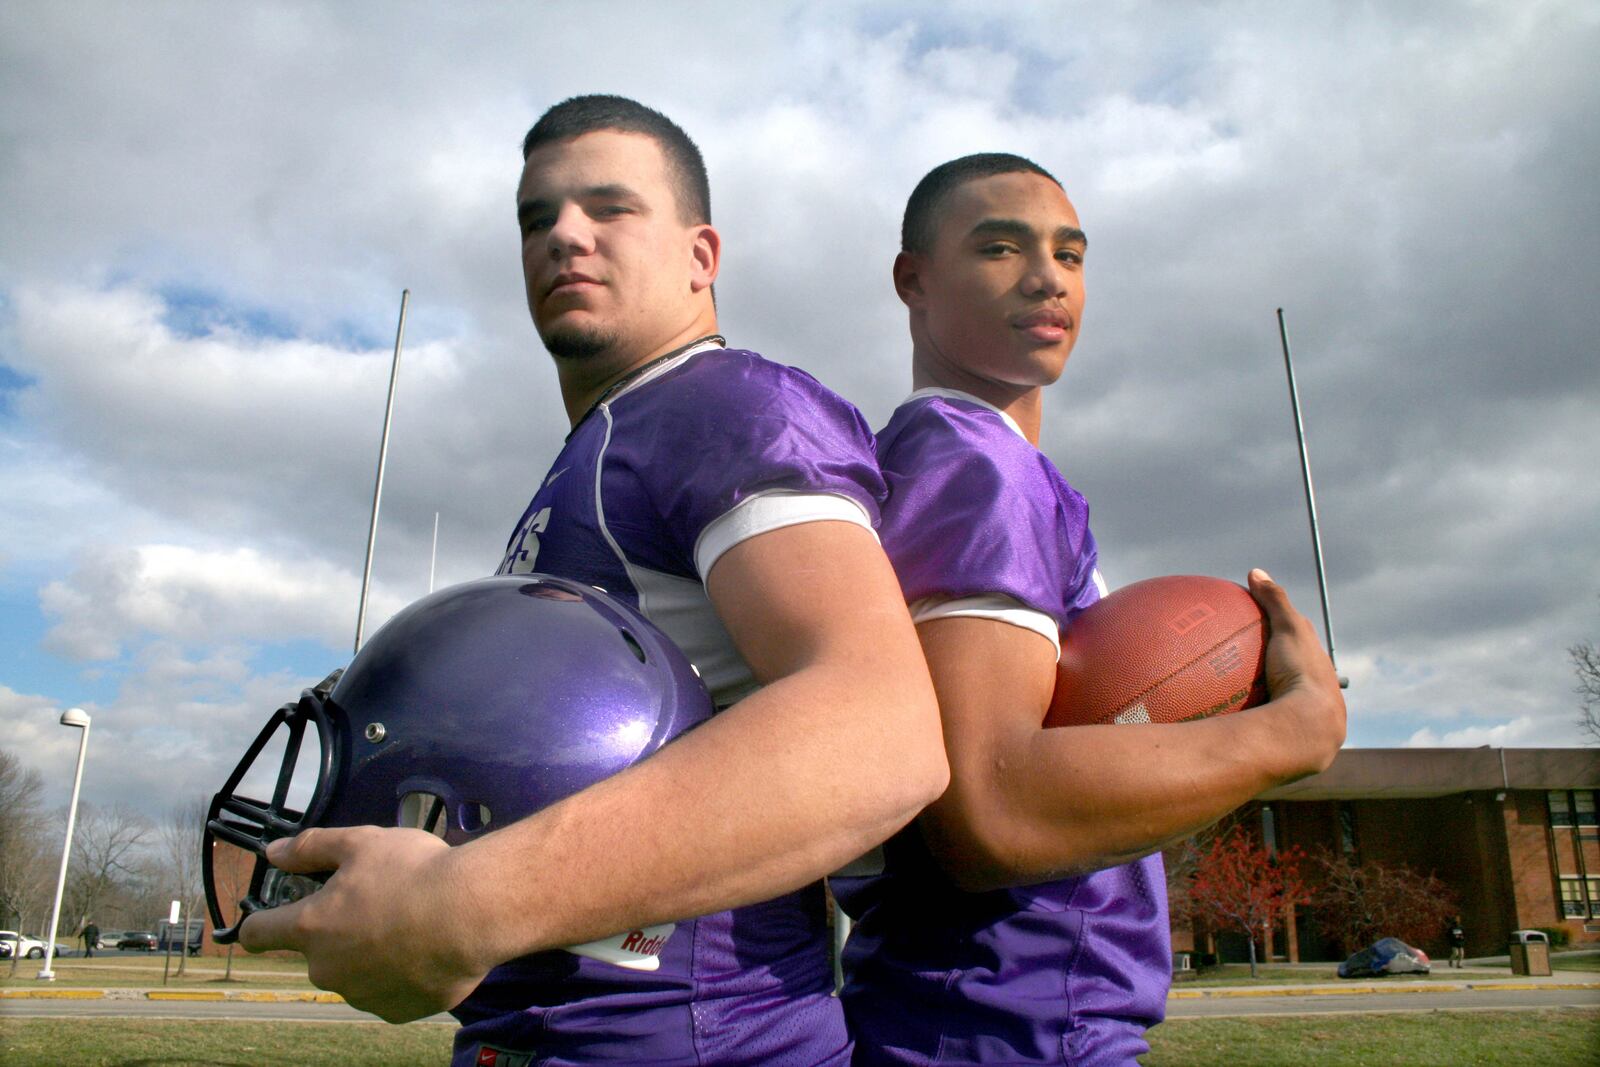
636, 941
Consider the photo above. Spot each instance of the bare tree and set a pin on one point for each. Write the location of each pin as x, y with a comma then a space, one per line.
24, 849
105, 855
1586, 662
1357, 904
180, 836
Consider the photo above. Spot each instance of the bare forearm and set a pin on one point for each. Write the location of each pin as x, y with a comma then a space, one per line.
1082, 798
757, 802
1028, 803
838, 751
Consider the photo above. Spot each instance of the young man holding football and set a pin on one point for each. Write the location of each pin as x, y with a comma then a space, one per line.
1016, 922
733, 501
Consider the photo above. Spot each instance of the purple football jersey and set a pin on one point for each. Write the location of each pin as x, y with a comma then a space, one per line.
979, 522
691, 457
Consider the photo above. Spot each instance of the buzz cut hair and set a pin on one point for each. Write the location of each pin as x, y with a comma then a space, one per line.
920, 225
578, 115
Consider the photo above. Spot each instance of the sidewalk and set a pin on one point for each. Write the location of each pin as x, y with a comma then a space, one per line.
1479, 974
253, 996
1469, 980
1376, 986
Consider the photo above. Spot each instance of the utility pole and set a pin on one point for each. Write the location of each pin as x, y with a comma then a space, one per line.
383, 455
1311, 500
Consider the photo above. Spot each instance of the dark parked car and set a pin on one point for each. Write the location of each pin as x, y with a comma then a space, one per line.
138, 939
181, 939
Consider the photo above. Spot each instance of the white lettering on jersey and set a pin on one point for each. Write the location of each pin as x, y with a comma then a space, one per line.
523, 558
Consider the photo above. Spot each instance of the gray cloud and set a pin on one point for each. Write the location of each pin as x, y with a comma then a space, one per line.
1413, 185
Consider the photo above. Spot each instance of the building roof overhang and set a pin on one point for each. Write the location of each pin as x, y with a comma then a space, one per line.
1392, 773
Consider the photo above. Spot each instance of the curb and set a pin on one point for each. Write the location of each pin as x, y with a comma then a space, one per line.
250, 996
1372, 990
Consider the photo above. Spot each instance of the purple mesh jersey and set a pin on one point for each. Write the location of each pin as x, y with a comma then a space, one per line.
980, 523
697, 454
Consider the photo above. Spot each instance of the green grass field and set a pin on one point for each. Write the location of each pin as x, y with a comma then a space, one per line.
174, 1043
1557, 1038
1575, 963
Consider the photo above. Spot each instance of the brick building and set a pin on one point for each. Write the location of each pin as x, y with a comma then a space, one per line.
1511, 831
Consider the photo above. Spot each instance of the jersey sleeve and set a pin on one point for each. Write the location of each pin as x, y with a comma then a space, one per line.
733, 445
979, 523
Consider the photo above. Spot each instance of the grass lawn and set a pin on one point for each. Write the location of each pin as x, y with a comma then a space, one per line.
175, 1043
1239, 974
138, 972
1554, 1038
1575, 963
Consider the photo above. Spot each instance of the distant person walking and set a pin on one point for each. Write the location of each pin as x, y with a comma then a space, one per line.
91, 938
1458, 943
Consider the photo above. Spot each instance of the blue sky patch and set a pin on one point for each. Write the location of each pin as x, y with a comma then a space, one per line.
195, 312
304, 658
25, 667
12, 382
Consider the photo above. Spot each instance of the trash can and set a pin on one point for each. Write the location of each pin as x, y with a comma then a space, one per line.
1530, 952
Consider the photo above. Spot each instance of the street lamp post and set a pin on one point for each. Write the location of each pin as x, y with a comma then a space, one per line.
79, 718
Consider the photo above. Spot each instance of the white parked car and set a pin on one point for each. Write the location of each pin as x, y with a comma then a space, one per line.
33, 950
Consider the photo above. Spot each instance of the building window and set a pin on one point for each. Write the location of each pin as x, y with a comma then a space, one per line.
1573, 904
1560, 809
1583, 808
1347, 829
1269, 829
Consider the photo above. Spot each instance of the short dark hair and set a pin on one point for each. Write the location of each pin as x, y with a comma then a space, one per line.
918, 228
586, 114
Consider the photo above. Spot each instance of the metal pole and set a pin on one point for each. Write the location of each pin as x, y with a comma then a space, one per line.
383, 455
1311, 499
79, 718
433, 558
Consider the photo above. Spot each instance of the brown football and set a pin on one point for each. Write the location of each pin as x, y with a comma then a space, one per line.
1162, 650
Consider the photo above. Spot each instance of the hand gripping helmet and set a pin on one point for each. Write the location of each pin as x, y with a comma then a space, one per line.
473, 707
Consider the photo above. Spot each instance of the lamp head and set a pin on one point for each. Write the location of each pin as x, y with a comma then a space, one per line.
75, 717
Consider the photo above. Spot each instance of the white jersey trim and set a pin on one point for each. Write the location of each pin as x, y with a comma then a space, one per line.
600, 513
772, 509
996, 606
680, 607
1100, 583
661, 368
956, 394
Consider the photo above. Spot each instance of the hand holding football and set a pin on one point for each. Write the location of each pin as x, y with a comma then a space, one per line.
1160, 651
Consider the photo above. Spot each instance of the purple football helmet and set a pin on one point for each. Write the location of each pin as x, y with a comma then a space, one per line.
473, 707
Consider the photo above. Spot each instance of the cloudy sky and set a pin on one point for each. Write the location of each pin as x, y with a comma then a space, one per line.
209, 212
